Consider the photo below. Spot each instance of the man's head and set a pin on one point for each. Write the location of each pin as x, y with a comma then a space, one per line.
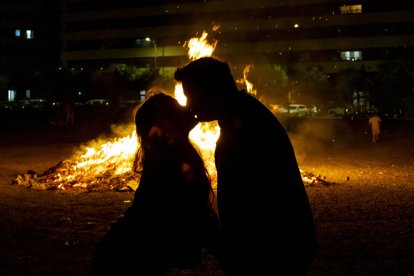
207, 84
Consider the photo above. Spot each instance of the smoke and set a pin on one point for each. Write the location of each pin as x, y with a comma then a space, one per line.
310, 136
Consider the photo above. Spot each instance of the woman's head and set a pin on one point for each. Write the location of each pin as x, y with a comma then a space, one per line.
161, 119
161, 122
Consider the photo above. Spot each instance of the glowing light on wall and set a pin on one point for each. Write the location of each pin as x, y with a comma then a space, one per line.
351, 55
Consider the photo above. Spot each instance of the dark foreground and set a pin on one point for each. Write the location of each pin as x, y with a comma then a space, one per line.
365, 221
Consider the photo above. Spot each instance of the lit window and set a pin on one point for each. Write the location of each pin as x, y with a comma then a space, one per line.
29, 34
17, 33
351, 55
11, 95
142, 94
351, 9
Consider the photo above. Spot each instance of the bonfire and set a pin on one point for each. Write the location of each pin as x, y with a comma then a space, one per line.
108, 164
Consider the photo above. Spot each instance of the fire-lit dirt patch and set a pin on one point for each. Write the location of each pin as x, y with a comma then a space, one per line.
364, 221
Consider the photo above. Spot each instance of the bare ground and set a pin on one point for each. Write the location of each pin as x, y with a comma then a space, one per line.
365, 220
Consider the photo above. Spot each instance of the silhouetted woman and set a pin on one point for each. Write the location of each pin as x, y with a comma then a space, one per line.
171, 217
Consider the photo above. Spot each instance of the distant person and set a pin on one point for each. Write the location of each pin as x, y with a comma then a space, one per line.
263, 207
375, 124
171, 218
69, 110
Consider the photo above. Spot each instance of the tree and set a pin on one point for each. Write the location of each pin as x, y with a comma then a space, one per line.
270, 82
4, 83
393, 83
311, 86
120, 81
355, 86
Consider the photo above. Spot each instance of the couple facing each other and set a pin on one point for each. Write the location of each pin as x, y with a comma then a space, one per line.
264, 224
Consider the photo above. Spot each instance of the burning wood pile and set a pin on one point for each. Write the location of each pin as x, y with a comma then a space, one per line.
100, 165
59, 177
312, 180
105, 164
108, 165
66, 175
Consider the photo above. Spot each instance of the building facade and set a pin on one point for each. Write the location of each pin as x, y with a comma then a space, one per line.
29, 46
333, 34
38, 37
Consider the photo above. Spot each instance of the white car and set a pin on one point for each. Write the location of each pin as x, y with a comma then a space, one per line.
297, 110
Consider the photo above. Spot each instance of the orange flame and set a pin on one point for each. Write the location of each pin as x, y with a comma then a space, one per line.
249, 85
199, 47
246, 82
204, 135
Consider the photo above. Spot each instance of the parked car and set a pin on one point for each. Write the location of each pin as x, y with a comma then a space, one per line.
97, 102
297, 110
278, 109
38, 104
344, 110
312, 110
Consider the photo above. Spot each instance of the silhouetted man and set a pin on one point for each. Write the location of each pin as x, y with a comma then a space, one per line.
263, 207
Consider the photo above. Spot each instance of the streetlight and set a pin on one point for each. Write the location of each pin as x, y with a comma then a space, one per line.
155, 49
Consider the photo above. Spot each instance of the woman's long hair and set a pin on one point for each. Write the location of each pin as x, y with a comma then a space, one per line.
156, 109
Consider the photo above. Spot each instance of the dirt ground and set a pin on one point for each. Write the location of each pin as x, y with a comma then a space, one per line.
364, 220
